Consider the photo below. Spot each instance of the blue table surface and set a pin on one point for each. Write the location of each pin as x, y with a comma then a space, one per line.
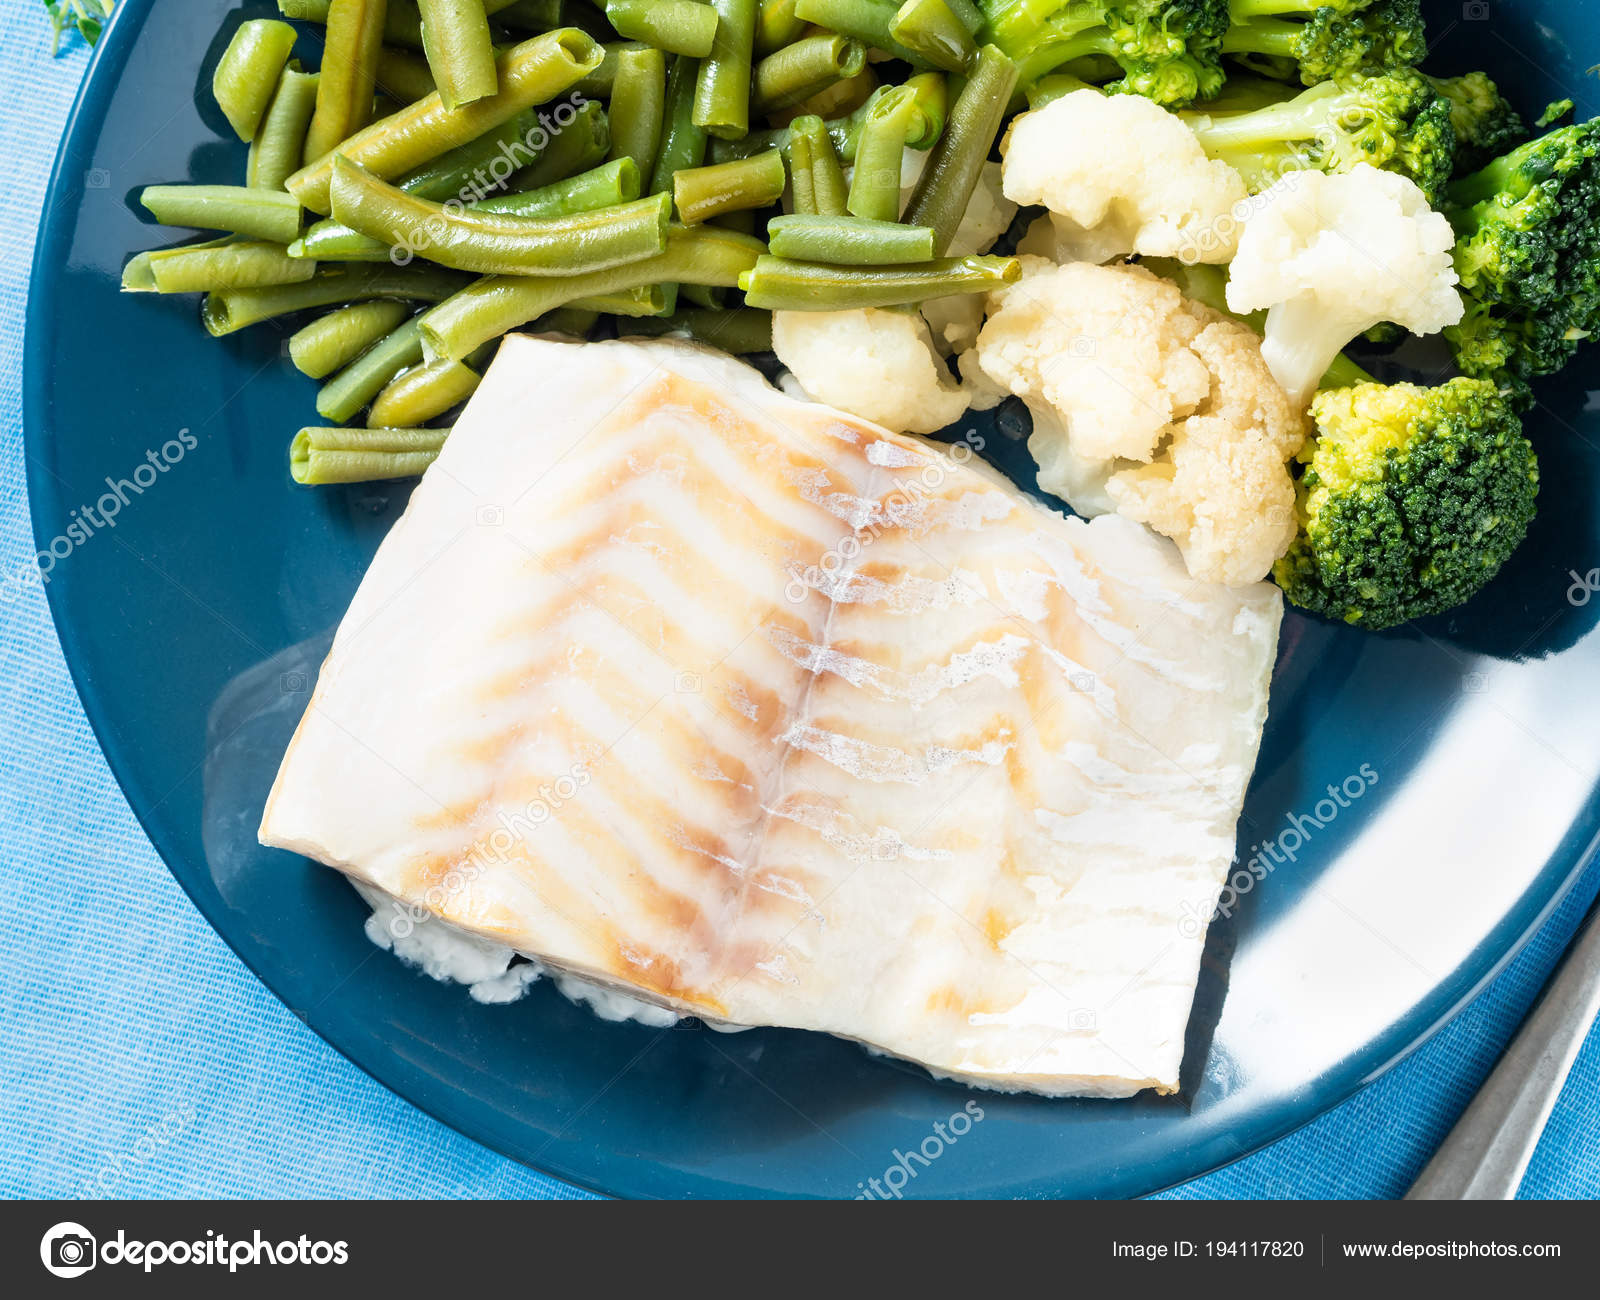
144, 1060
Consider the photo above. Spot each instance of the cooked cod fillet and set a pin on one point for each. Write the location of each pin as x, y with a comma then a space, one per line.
770, 716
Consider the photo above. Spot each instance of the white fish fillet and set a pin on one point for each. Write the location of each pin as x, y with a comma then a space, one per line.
770, 716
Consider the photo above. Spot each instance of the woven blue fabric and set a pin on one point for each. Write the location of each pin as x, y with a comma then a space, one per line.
144, 1060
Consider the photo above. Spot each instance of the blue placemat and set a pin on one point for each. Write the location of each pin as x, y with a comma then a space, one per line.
143, 1060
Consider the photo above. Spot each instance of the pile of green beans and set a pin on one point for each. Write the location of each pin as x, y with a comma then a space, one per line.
450, 170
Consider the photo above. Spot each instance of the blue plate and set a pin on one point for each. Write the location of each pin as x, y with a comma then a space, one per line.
1424, 796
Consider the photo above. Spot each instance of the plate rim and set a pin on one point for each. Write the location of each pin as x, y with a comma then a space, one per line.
1443, 1003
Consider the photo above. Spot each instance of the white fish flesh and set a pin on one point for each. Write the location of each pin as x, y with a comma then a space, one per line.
753, 710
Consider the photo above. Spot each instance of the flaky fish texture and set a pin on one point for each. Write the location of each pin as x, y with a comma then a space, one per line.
752, 709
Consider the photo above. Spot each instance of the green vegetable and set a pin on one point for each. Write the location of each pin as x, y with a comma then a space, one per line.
333, 341
88, 16
848, 241
683, 144
455, 37
638, 105
496, 243
581, 144
280, 141
875, 181
228, 312
741, 330
1528, 254
780, 285
405, 77
1396, 121
1486, 126
321, 456
814, 170
867, 21
423, 393
349, 74
220, 266
497, 304
247, 74
1410, 501
531, 73
676, 26
367, 376
777, 25
1166, 50
1316, 42
722, 94
933, 31
945, 187
801, 69
259, 214
705, 192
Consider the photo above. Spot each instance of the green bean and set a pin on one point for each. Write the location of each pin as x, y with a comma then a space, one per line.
781, 285
423, 393
597, 83
226, 313
318, 457
547, 15
867, 21
364, 378
280, 139
703, 192
931, 90
404, 76
455, 38
349, 74
802, 192
848, 241
945, 188
257, 214
711, 297
402, 24
333, 341
459, 174
830, 195
497, 304
571, 319
739, 331
215, 267
638, 104
932, 29
683, 144
603, 187
576, 147
676, 26
800, 70
722, 93
776, 26
644, 300
875, 182
530, 73
490, 243
247, 74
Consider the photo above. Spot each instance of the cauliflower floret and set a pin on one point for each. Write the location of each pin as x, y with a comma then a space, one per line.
874, 363
1106, 347
1205, 432
1332, 256
1122, 175
1220, 488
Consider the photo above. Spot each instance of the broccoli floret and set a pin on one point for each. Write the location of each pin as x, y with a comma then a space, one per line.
1528, 254
1486, 125
1395, 121
1410, 501
1328, 41
1166, 50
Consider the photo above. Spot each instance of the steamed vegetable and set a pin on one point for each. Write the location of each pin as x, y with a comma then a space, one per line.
1410, 501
